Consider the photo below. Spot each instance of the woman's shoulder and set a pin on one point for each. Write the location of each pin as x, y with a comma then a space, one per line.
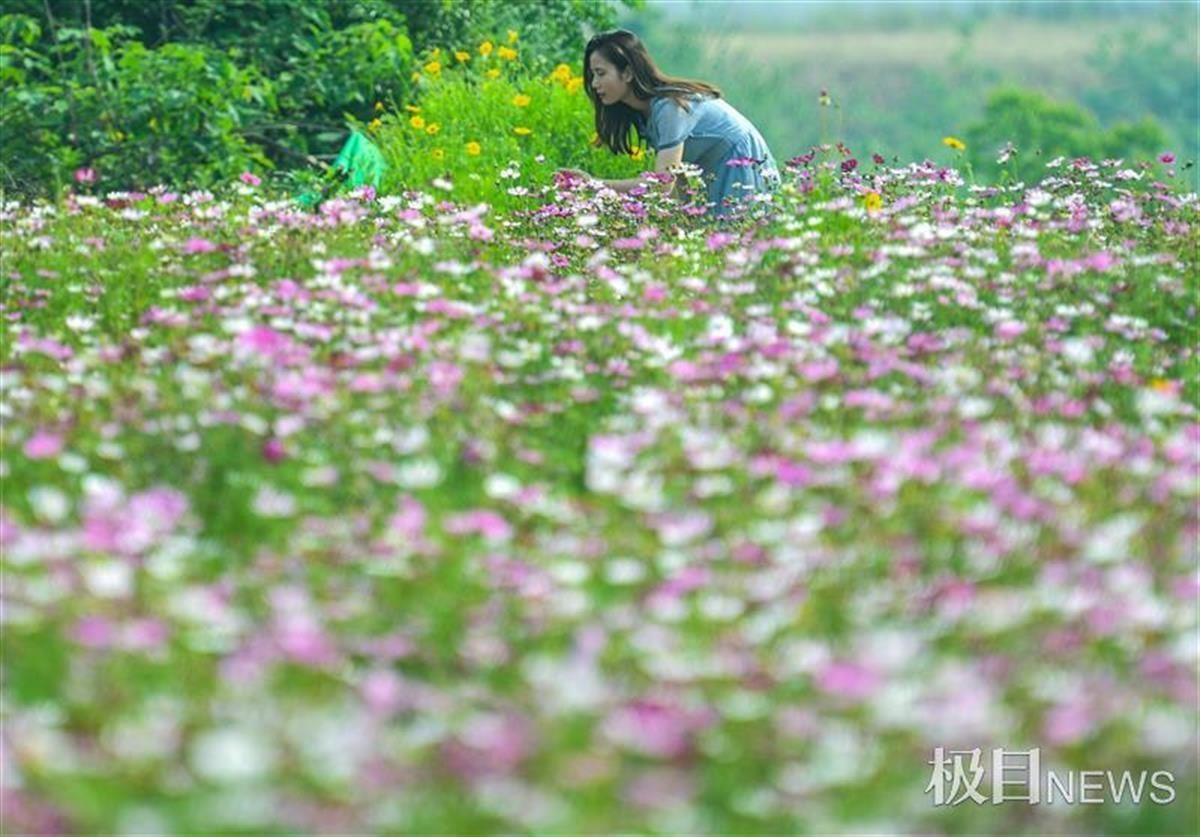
668, 96
668, 91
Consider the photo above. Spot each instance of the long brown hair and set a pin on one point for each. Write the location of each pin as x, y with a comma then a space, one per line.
624, 50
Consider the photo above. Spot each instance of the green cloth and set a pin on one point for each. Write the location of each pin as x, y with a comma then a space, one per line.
361, 159
359, 163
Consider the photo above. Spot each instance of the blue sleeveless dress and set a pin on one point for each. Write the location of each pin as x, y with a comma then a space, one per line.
713, 134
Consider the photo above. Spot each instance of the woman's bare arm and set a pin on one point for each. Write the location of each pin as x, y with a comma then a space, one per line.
663, 161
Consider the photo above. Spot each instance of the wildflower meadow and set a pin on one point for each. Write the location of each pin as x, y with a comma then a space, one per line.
509, 504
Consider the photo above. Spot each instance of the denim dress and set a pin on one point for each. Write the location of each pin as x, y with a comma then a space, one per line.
734, 157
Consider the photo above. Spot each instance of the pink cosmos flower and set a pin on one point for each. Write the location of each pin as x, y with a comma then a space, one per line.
793, 474
273, 450
250, 178
655, 728
683, 582
444, 377
194, 293
382, 691
848, 680
145, 635
654, 293
266, 341
198, 245
1166, 158
490, 745
1067, 723
1101, 262
43, 445
483, 522
113, 525
86, 174
94, 632
409, 520
1010, 330
306, 644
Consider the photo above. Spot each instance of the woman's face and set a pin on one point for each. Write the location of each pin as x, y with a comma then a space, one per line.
610, 85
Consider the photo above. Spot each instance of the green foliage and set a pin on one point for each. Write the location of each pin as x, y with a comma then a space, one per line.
1135, 140
345, 72
188, 92
1042, 129
550, 29
184, 112
1148, 75
476, 117
136, 115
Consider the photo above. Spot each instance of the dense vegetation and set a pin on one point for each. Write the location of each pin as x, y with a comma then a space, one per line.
486, 500
195, 92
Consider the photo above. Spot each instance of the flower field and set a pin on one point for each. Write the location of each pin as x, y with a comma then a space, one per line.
410, 516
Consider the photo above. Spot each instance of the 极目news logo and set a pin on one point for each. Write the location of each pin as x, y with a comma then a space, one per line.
1017, 776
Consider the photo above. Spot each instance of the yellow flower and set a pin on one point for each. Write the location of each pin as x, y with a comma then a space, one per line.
638, 153
432, 128
438, 153
378, 106
473, 148
493, 73
485, 49
561, 74
522, 131
1163, 385
574, 85
512, 36
873, 202
954, 142
417, 122
461, 56
506, 53
433, 68
521, 100
374, 125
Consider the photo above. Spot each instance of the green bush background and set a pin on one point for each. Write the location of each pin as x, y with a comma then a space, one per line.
193, 93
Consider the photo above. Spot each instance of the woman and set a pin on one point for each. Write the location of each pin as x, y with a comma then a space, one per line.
682, 121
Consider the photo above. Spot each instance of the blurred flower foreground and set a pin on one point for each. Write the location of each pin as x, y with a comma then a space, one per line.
409, 516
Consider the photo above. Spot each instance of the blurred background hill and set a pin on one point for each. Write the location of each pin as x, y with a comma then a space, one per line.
1101, 77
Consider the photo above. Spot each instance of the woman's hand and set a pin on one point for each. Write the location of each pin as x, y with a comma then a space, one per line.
565, 176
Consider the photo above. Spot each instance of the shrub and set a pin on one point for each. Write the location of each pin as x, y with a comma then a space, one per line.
188, 111
136, 115
1042, 129
478, 114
